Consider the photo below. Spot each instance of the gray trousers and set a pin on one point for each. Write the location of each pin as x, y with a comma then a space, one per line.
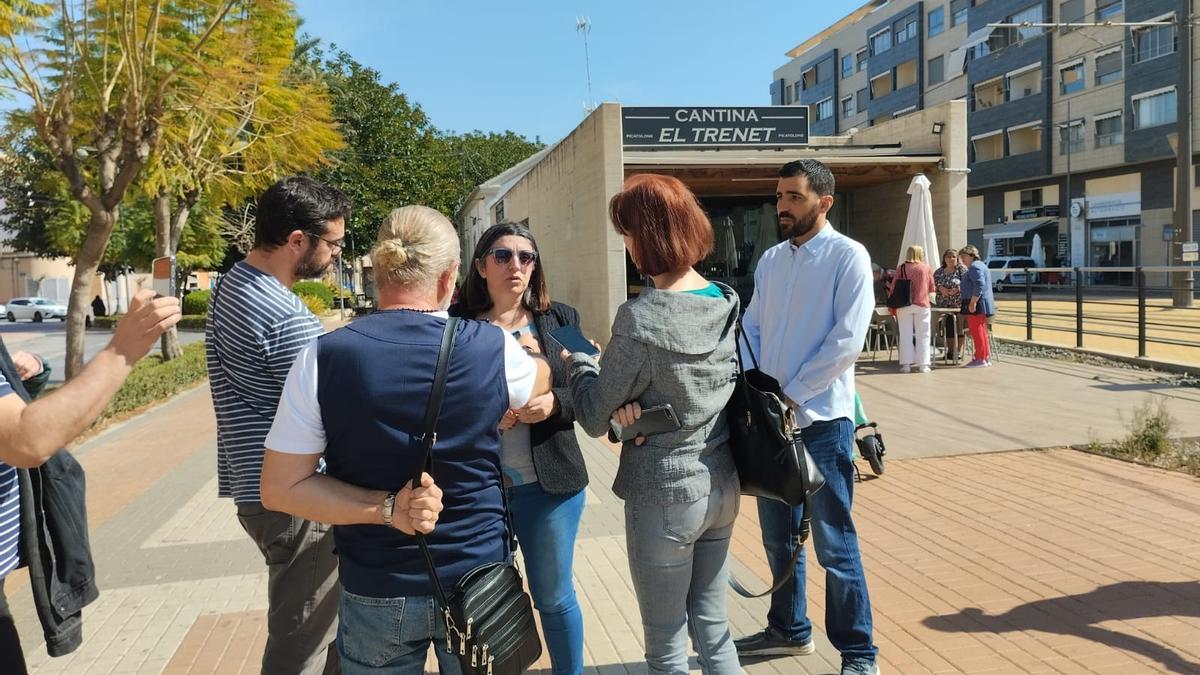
302, 591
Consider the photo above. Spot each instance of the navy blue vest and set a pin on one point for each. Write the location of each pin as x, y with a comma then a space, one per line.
373, 382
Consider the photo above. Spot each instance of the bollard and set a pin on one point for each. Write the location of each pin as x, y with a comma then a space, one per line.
1141, 292
1028, 305
1078, 308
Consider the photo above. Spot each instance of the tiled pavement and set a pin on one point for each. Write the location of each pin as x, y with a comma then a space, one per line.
1021, 562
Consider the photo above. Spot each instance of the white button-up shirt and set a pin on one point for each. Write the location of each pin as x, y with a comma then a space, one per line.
808, 319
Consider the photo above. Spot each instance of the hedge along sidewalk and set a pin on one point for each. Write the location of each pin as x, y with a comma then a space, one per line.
189, 322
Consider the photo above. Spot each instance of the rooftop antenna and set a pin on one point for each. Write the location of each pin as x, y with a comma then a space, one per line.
583, 25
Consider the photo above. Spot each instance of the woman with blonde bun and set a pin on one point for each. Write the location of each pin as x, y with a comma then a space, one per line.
358, 396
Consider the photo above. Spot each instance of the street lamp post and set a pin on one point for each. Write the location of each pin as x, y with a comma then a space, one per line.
1182, 283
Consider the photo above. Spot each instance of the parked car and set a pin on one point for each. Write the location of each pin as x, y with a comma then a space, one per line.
2, 310
1006, 271
35, 309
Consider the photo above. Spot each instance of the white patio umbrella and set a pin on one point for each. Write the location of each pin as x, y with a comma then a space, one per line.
1039, 255
918, 229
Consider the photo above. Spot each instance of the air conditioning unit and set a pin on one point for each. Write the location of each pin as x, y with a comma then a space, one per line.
1029, 91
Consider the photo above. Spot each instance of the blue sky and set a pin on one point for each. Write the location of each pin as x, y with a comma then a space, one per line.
520, 65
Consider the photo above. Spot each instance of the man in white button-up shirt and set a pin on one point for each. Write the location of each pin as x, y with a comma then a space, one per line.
807, 323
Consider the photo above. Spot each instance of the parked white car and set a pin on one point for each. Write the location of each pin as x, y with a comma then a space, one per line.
35, 309
1006, 272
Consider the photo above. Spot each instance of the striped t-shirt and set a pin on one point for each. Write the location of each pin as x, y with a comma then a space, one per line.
255, 328
10, 507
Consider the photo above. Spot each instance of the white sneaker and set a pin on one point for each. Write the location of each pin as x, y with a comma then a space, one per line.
925, 369
906, 368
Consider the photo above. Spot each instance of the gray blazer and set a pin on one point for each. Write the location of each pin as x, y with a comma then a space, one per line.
667, 347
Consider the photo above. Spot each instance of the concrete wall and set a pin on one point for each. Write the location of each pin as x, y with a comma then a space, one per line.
23, 275
947, 188
565, 197
877, 216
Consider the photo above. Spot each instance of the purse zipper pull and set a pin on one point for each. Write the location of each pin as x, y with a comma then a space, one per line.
450, 631
470, 620
489, 662
474, 655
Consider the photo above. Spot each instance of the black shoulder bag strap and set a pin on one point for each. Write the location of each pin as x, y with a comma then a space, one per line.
428, 438
805, 519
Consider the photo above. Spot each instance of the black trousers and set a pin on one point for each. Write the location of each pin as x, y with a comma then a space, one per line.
12, 659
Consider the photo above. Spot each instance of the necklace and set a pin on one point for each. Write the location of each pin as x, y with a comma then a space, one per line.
411, 309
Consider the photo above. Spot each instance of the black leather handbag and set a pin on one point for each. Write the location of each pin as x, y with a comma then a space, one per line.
901, 295
771, 459
489, 616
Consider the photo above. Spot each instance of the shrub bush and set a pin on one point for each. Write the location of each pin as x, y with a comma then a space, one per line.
188, 322
317, 305
315, 289
1149, 432
196, 303
154, 380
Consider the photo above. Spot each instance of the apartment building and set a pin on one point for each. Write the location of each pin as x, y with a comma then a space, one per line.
1069, 130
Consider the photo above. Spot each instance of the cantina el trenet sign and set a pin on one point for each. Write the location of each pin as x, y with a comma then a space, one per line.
663, 128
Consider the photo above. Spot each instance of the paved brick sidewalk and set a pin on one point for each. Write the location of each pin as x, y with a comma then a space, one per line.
1020, 562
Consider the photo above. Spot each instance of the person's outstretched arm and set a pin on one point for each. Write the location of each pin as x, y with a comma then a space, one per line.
31, 433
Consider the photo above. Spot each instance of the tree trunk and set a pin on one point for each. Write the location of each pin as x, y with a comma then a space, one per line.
162, 247
100, 228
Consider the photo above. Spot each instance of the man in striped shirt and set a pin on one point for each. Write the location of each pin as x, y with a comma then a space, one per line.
256, 327
30, 433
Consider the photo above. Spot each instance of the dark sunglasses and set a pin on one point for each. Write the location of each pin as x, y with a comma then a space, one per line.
503, 256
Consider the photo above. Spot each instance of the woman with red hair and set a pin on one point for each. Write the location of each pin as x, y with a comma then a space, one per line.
671, 345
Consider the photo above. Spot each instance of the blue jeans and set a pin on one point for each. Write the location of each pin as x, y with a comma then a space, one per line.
391, 635
679, 563
847, 607
546, 525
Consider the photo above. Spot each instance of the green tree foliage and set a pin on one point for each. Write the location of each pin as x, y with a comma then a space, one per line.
394, 155
41, 217
386, 162
97, 78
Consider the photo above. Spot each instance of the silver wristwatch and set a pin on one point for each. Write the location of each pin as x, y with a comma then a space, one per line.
389, 505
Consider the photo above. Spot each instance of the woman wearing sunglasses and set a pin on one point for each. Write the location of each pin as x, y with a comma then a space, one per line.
540, 456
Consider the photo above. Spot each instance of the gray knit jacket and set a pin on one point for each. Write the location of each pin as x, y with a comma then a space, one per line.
667, 347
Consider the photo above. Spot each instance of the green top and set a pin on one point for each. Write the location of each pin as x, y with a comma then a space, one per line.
709, 291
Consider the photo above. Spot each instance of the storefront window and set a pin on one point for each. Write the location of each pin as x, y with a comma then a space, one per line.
1113, 243
743, 229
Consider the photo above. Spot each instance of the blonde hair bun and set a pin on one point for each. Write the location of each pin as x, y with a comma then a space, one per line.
390, 253
415, 245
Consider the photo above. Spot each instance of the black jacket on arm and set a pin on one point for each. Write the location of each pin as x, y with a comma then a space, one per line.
54, 539
557, 457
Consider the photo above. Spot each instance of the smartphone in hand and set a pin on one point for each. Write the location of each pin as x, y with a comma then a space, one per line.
163, 273
660, 419
573, 340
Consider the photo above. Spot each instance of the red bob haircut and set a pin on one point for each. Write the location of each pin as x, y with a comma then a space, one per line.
664, 219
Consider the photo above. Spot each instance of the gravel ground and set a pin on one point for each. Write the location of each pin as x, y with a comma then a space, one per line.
1057, 354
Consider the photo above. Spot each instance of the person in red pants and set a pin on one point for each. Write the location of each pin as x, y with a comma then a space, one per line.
978, 304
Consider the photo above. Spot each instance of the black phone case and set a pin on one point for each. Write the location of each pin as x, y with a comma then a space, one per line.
652, 421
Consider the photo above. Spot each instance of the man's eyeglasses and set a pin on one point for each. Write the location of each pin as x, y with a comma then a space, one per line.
339, 245
503, 256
